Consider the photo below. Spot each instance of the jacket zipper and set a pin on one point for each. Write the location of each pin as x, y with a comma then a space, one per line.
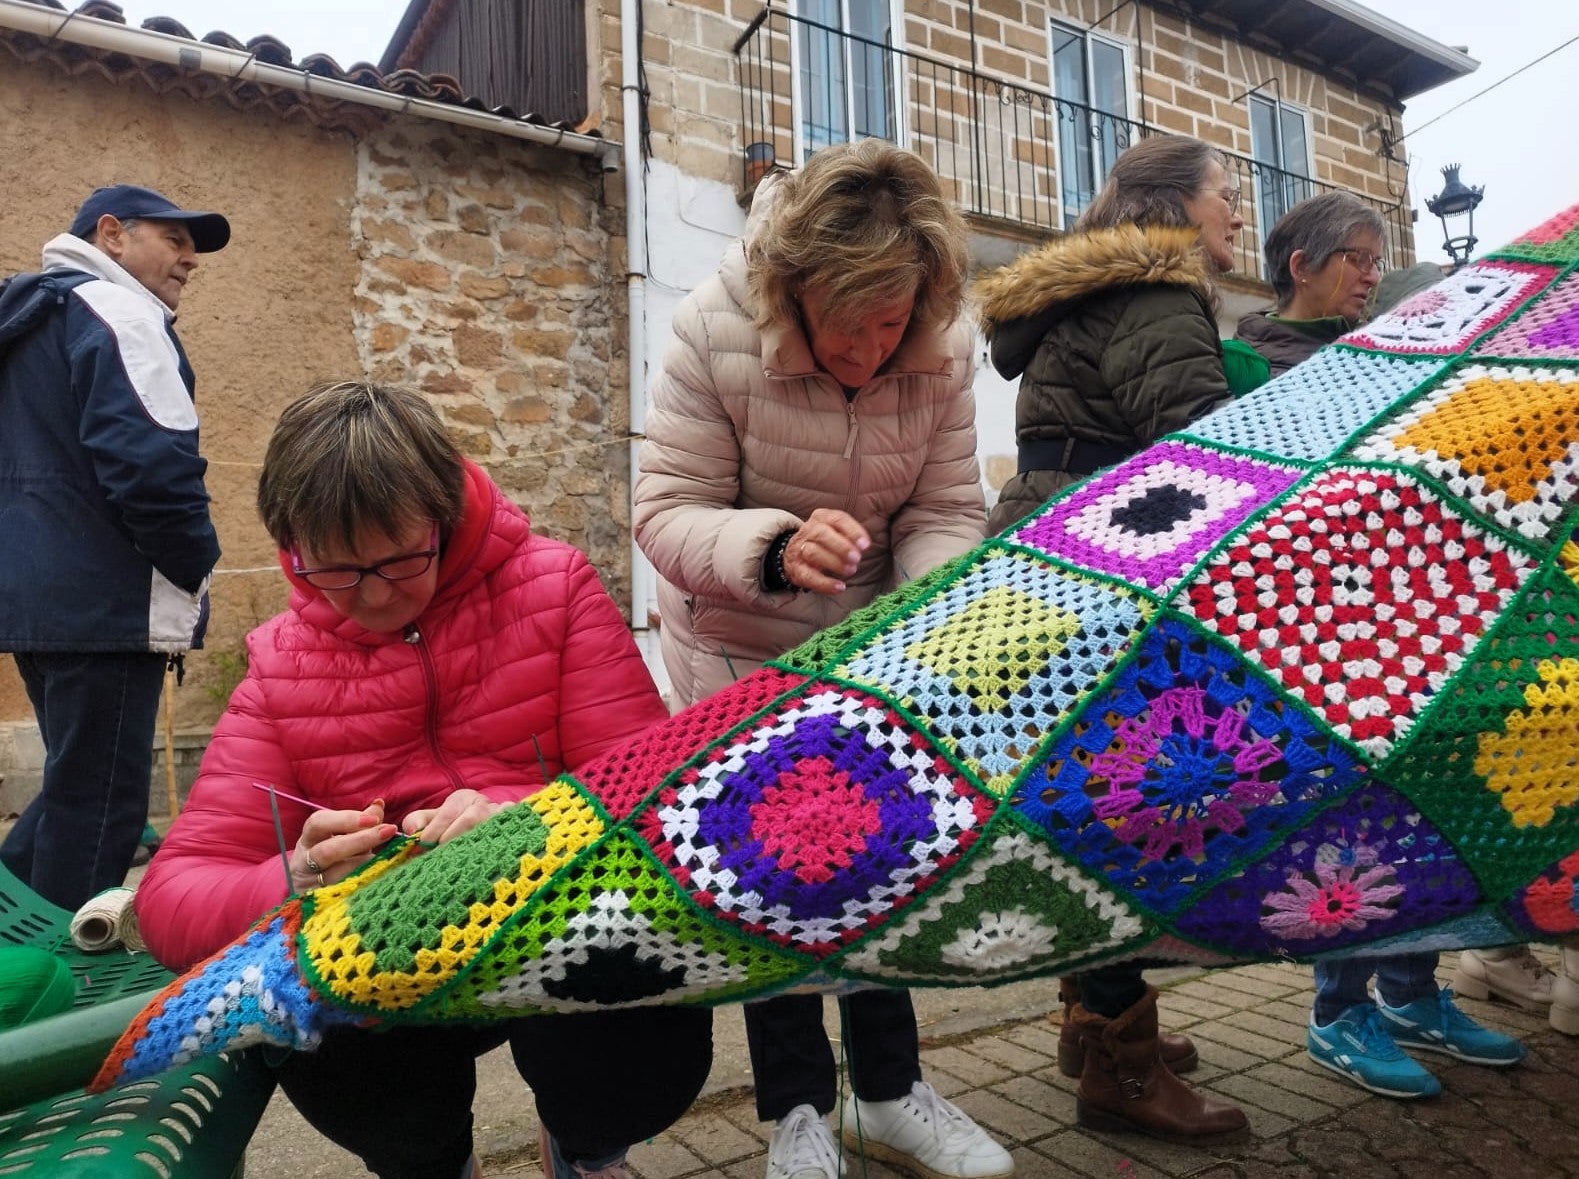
855, 428
431, 679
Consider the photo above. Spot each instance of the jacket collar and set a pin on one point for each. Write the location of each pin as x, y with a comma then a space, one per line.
1071, 268
68, 252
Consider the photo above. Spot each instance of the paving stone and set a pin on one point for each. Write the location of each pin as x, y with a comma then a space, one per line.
1232, 998
1253, 988
976, 1070
1050, 1101
1287, 1031
1324, 1088
1007, 1054
1266, 1047
1246, 1089
1089, 1155
664, 1158
1170, 1158
716, 1140
1175, 1008
942, 1080
1010, 1120
1040, 1037
1277, 978
1222, 1057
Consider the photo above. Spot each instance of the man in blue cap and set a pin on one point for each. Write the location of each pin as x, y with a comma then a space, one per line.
108, 540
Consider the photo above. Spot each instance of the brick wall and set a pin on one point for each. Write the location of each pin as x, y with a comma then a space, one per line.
1194, 79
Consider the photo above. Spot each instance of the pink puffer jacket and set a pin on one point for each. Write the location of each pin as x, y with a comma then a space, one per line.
521, 665
746, 437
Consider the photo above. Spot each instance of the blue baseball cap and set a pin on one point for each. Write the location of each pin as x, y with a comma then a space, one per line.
209, 231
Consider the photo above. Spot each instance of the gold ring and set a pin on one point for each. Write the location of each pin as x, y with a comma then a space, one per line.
315, 868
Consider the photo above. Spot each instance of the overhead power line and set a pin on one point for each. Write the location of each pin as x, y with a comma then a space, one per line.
1495, 84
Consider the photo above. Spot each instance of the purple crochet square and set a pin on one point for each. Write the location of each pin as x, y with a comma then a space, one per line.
1547, 331
1150, 519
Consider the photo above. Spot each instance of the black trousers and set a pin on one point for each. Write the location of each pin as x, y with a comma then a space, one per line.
792, 1061
401, 1100
1110, 991
96, 713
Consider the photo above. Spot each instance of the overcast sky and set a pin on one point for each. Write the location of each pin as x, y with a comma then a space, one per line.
1518, 141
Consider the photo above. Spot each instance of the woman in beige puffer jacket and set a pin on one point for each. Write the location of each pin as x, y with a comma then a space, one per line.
747, 436
811, 443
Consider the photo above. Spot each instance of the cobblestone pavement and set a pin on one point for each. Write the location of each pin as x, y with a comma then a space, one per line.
1249, 1024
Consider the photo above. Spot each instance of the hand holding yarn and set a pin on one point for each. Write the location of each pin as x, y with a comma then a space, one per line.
457, 814
824, 551
335, 843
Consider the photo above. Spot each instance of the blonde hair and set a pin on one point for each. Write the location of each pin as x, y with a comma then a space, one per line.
352, 456
866, 224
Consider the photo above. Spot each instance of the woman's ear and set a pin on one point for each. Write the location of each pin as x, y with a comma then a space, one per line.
1299, 266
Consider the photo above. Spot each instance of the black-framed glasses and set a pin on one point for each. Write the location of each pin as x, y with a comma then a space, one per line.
1361, 260
401, 567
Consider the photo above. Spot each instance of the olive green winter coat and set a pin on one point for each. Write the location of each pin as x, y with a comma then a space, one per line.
1112, 336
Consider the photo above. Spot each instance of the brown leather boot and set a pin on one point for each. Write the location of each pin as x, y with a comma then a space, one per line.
1125, 1086
1178, 1052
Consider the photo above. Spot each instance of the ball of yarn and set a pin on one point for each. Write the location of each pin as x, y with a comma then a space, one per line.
33, 984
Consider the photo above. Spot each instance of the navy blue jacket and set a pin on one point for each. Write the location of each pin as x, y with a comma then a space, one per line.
104, 525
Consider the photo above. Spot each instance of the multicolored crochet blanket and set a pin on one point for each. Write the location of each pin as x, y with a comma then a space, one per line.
1300, 681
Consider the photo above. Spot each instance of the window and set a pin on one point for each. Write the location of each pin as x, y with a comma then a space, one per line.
1280, 145
1091, 84
846, 72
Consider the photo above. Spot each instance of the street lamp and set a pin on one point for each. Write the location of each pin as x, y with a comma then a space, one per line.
1454, 201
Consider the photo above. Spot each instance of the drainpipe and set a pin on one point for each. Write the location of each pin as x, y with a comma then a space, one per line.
642, 576
93, 33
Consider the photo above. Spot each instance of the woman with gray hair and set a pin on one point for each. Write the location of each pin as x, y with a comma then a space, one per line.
812, 443
1324, 259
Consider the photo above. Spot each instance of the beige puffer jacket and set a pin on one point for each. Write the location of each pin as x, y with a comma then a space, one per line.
746, 437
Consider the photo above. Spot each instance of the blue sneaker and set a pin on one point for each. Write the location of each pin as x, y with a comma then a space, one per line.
1435, 1024
1357, 1045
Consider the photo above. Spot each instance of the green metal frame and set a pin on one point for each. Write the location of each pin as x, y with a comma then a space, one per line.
190, 1122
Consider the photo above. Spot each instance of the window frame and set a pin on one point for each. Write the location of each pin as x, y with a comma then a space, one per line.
1088, 37
895, 60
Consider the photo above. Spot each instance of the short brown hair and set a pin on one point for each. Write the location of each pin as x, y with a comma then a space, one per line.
866, 223
352, 456
1150, 182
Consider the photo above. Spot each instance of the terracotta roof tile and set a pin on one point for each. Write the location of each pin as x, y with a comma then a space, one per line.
76, 59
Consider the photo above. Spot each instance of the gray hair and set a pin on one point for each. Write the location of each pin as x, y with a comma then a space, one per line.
1320, 226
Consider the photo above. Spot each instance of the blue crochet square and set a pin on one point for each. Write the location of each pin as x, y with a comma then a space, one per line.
991, 664
1185, 767
1310, 412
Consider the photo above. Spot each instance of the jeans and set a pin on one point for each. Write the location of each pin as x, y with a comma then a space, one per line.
96, 713
793, 1062
401, 1100
1400, 979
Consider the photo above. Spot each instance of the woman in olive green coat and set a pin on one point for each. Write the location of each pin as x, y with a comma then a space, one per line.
1110, 328
1111, 332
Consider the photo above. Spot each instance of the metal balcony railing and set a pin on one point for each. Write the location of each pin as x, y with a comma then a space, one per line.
1004, 151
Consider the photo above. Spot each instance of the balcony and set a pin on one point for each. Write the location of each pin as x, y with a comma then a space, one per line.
1006, 152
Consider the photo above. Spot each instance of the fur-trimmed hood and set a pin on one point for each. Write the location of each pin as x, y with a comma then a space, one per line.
1017, 300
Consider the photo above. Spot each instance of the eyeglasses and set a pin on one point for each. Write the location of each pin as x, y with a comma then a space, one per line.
1232, 196
1361, 260
343, 577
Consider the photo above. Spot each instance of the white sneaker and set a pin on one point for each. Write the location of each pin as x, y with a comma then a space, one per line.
926, 1135
802, 1147
1513, 974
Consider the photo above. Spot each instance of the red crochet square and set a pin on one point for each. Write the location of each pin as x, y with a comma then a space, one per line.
1361, 594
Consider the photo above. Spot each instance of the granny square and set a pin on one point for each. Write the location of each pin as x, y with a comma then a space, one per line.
1444, 319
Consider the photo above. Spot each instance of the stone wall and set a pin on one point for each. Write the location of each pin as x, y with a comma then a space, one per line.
1195, 78
490, 281
484, 270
